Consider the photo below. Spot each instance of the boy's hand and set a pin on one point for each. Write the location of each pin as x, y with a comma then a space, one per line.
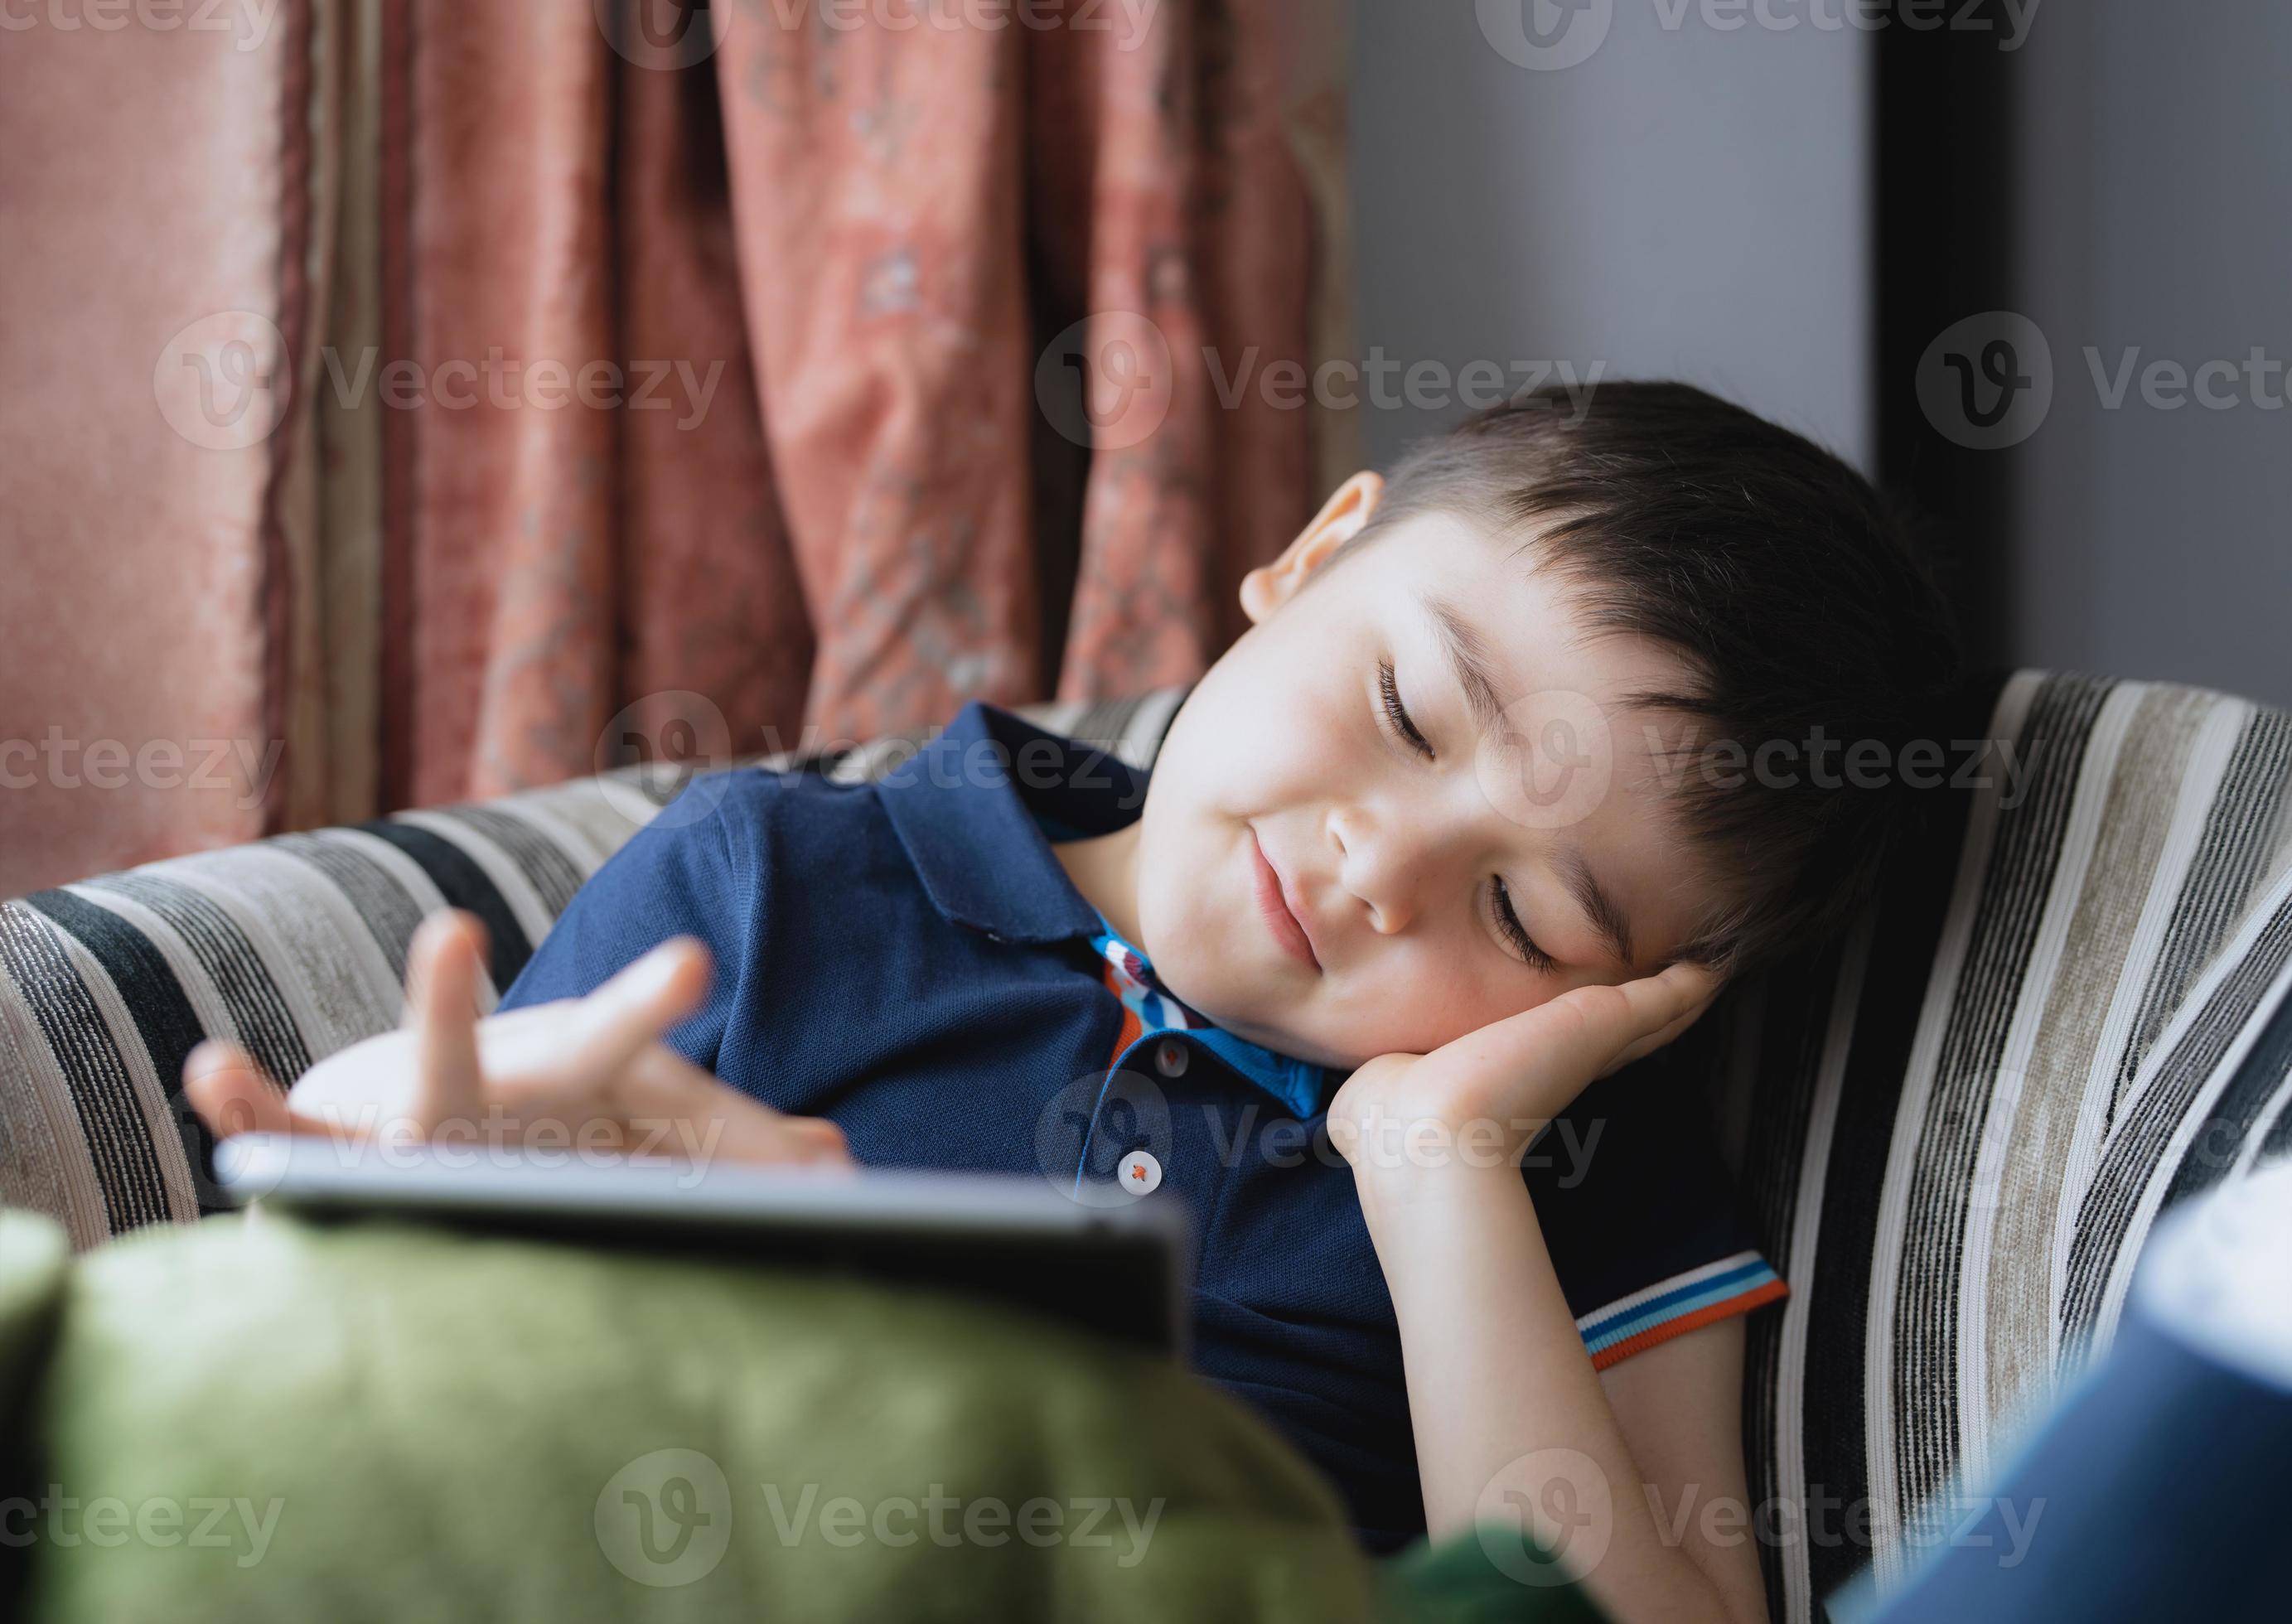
577, 1073
1479, 1100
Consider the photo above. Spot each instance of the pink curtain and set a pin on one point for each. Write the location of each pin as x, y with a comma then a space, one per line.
739, 355
153, 219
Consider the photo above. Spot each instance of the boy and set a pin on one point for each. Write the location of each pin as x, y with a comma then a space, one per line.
1434, 847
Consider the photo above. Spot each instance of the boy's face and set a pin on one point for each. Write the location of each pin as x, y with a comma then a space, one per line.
1389, 859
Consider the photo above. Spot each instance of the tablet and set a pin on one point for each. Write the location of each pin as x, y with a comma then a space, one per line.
1117, 1270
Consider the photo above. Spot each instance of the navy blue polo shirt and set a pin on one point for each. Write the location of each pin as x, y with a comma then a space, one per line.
908, 959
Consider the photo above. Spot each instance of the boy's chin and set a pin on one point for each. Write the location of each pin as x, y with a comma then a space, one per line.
1298, 1046
1223, 1000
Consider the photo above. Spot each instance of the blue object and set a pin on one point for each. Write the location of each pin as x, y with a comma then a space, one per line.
908, 958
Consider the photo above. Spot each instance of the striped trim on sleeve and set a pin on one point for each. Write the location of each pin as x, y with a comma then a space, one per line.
1672, 1307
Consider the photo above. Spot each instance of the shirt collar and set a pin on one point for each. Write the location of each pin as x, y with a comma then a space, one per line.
977, 807
970, 827
1296, 1082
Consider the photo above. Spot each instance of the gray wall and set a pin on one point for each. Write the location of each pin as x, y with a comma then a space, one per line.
1683, 203
2156, 184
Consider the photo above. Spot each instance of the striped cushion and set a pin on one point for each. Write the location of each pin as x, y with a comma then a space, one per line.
1955, 1134
296, 947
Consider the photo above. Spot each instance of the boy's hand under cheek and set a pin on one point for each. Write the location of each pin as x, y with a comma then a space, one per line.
1477, 1102
578, 1074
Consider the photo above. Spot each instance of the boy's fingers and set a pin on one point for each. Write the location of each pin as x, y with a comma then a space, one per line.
441, 975
230, 1094
1584, 1029
1665, 1003
1641, 1047
637, 1006
820, 1141
673, 1108
428, 936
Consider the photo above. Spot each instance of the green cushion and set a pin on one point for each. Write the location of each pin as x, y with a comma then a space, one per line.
380, 1420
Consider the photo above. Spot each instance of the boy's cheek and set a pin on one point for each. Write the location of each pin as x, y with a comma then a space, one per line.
1413, 1000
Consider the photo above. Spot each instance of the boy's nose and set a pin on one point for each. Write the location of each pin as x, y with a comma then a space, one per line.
1380, 866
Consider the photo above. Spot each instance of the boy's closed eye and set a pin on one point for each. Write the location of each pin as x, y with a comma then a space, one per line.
1507, 919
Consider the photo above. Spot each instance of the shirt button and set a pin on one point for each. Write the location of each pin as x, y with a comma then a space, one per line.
1140, 1174
1170, 1057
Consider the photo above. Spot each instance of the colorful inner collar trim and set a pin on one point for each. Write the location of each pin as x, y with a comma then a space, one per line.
1296, 1082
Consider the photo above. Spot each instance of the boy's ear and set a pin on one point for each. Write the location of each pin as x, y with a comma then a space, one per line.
1267, 587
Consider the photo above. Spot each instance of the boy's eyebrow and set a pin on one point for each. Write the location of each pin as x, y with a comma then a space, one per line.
1598, 906
1468, 661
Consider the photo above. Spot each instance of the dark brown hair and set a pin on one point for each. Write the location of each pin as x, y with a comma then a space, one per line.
1785, 581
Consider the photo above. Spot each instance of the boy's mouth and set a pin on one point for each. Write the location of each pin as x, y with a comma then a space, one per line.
1273, 903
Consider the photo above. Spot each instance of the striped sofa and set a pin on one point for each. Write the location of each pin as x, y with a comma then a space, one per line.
1952, 1132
